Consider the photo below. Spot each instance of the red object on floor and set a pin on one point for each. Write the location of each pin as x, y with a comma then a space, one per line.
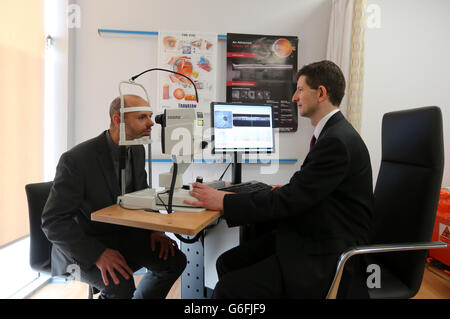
441, 231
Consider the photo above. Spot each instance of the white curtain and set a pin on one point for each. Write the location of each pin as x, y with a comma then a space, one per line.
346, 49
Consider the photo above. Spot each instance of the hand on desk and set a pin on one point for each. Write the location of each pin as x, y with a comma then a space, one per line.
208, 197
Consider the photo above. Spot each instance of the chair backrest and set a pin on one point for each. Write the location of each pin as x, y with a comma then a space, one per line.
408, 187
40, 247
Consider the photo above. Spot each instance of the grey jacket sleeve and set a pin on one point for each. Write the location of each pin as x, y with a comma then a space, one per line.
59, 223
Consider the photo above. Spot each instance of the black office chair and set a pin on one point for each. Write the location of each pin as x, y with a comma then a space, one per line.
40, 246
406, 198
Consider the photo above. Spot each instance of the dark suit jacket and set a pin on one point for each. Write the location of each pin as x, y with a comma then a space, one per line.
325, 208
85, 182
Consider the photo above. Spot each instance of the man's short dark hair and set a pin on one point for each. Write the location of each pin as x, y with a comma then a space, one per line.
329, 75
114, 108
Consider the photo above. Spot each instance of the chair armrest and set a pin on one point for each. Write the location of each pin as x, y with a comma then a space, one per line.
371, 249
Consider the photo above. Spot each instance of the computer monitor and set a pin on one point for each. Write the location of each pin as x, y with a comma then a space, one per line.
242, 128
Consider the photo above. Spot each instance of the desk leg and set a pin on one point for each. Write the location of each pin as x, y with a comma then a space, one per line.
193, 277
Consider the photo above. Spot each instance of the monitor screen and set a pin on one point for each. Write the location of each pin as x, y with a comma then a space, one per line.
242, 128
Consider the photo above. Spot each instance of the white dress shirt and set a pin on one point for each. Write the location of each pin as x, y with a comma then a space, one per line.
319, 127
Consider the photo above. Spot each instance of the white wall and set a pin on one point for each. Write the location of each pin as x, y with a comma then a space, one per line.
407, 65
101, 62
56, 86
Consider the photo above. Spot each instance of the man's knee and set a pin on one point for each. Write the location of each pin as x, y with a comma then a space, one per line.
182, 262
177, 263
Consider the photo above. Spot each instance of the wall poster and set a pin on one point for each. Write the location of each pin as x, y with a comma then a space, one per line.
191, 54
262, 69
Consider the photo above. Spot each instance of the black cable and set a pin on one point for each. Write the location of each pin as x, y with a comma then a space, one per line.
160, 199
159, 69
226, 169
189, 241
169, 208
172, 186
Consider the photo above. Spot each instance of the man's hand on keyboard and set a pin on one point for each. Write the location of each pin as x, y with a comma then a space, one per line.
208, 197
276, 187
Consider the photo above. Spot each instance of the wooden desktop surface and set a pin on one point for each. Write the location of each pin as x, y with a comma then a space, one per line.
178, 222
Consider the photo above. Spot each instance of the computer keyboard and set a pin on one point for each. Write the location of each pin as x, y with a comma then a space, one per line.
247, 187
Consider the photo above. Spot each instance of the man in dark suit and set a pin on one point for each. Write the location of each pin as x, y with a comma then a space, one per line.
325, 208
87, 179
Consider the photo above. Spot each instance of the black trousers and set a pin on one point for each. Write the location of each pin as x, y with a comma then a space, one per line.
250, 270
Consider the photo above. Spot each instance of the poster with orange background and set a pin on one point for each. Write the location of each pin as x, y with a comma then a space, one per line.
194, 55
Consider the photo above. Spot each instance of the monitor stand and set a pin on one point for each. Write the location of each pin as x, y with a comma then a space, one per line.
236, 178
236, 169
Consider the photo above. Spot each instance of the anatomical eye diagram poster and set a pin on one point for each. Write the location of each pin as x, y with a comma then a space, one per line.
194, 55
